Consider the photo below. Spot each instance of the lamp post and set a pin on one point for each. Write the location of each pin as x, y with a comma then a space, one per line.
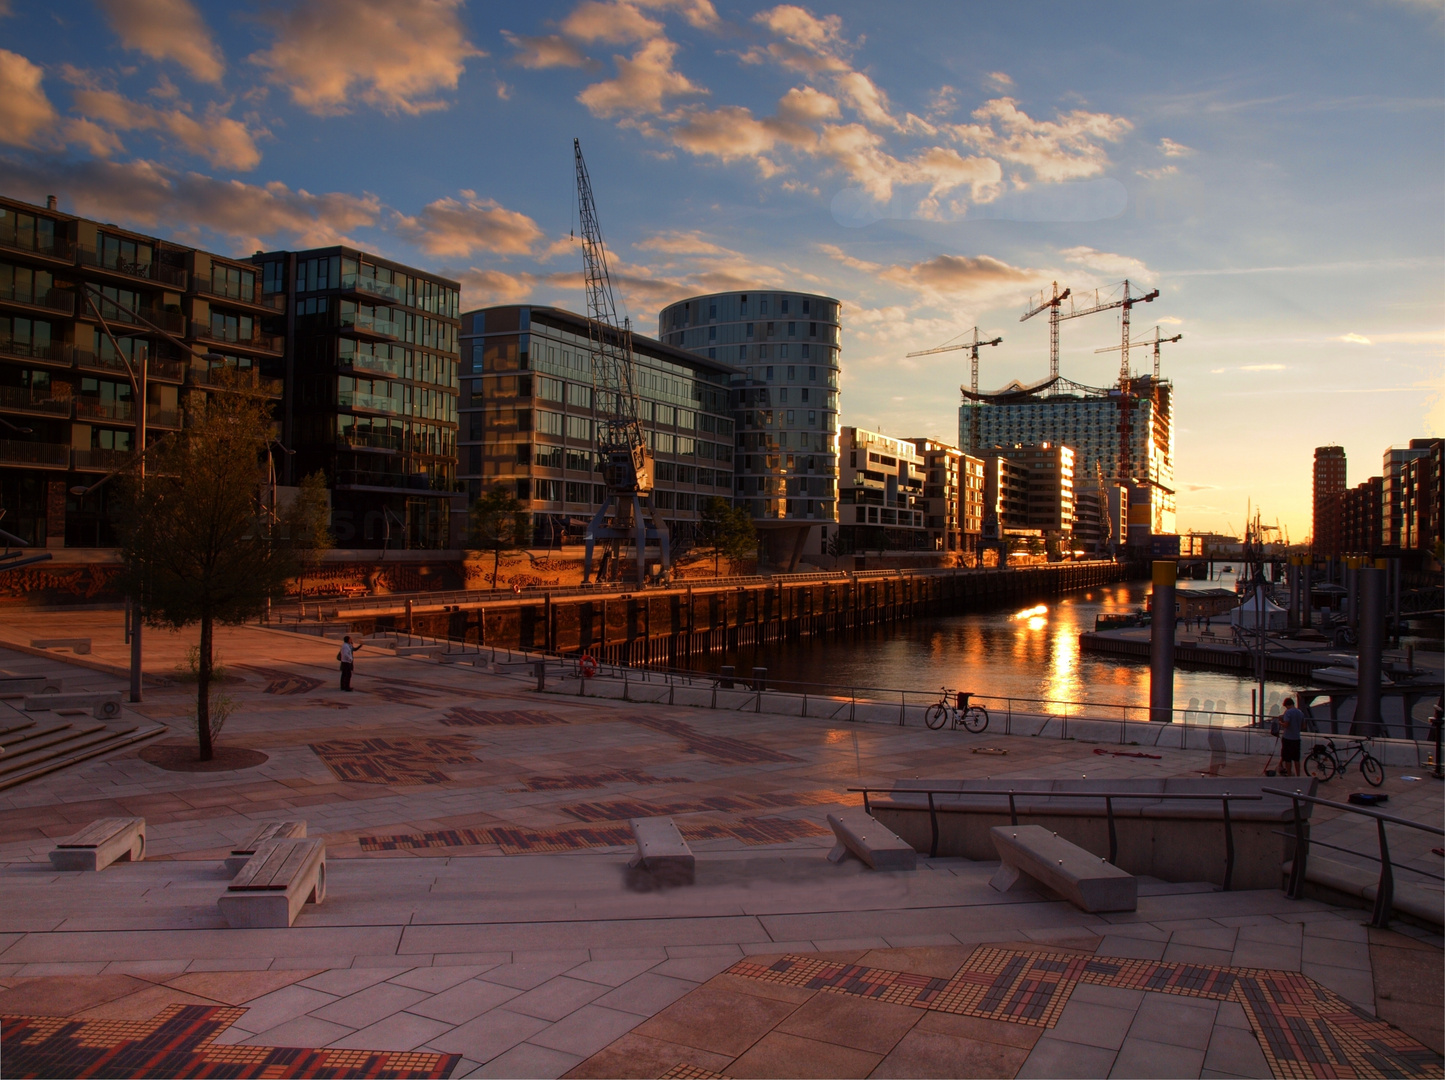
138, 394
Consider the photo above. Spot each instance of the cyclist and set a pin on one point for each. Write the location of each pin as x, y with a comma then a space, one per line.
1291, 727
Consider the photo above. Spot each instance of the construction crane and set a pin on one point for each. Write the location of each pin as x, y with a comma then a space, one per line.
973, 347
1126, 304
627, 512
1051, 303
1156, 341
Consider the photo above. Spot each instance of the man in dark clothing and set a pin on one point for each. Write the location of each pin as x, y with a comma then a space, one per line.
1291, 727
347, 656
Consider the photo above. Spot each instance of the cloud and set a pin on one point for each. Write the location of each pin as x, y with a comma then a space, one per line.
1159, 173
947, 279
458, 227
1170, 320
679, 242
642, 85
699, 14
614, 22
1053, 150
999, 80
395, 57
27, 118
224, 142
1355, 339
1170, 148
1109, 264
805, 105
167, 30
805, 42
1263, 367
150, 196
550, 51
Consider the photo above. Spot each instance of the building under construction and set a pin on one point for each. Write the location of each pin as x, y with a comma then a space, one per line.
1120, 437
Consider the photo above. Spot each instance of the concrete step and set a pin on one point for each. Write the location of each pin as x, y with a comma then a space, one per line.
26, 740
1414, 897
33, 765
44, 742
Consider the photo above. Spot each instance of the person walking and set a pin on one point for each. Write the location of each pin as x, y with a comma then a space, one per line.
1291, 727
347, 656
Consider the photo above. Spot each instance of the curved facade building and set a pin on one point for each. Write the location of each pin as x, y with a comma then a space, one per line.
785, 405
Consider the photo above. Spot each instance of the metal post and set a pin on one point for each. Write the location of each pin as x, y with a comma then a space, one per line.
1161, 643
1352, 592
1372, 633
1293, 572
1385, 891
1307, 616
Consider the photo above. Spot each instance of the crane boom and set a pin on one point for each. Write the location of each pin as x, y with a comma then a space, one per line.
1156, 341
622, 451
973, 346
1050, 303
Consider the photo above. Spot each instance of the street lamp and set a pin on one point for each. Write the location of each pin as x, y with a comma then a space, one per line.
12, 427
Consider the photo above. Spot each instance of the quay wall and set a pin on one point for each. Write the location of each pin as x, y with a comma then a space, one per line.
670, 625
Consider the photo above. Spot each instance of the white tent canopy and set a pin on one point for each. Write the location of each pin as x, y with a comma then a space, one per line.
1259, 608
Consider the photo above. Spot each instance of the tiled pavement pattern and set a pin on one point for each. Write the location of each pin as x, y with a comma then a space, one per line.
528, 958
725, 804
393, 761
464, 717
583, 781
178, 1042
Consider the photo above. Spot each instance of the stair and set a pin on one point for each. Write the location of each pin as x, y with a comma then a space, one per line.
36, 749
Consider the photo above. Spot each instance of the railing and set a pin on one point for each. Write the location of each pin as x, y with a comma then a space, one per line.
372, 287
56, 352
272, 301
257, 340
104, 410
59, 248
350, 399
151, 271
21, 399
1385, 890
53, 299
170, 418
103, 460
371, 325
1224, 798
16, 452
368, 441
381, 364
211, 375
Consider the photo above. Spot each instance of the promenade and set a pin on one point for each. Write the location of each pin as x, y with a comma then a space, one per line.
480, 919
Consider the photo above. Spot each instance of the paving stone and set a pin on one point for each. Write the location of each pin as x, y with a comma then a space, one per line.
717, 1020
555, 998
635, 1055
433, 980
487, 1035
303, 1031
368, 1006
1236, 1051
1141, 1059
282, 1005
1057, 1059
856, 1022
1257, 954
400, 1031
1093, 1025
1174, 1019
1132, 948
616, 971
586, 1030
347, 981
527, 1060
780, 1055
648, 993
1350, 983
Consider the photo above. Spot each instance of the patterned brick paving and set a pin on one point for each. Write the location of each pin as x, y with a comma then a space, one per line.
462, 716
1305, 1030
177, 1041
514, 841
724, 804
718, 748
394, 761
284, 683
583, 781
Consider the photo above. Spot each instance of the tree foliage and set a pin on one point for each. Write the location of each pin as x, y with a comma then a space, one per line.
307, 526
196, 544
499, 523
728, 531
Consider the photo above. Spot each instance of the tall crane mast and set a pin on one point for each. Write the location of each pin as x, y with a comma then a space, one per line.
1051, 304
1126, 305
1156, 341
627, 464
973, 346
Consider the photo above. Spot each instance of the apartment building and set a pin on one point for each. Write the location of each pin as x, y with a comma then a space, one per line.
953, 496
882, 506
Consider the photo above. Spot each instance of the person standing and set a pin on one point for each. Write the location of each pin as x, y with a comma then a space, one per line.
347, 656
1291, 727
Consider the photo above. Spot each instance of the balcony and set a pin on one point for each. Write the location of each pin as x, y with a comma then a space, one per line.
97, 460
350, 399
380, 364
24, 400
151, 271
58, 248
50, 352
386, 290
369, 440
94, 408
269, 301
371, 326
51, 299
211, 375
163, 418
258, 340
47, 455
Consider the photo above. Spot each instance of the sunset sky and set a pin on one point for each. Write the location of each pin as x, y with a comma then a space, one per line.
1275, 169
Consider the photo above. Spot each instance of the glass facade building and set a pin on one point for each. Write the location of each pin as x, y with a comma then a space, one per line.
785, 347
372, 370
529, 409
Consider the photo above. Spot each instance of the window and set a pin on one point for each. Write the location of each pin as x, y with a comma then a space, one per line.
783, 395
27, 337
548, 423
712, 311
273, 277
550, 389
783, 354
812, 371
750, 329
783, 306
579, 428
127, 256
792, 329
712, 333
233, 282
805, 307
548, 457
762, 307
770, 374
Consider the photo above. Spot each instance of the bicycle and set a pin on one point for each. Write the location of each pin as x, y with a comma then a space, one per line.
1323, 762
973, 717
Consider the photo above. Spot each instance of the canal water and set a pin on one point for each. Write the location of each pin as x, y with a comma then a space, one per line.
1029, 652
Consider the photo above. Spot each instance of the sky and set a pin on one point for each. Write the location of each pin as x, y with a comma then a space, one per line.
1274, 169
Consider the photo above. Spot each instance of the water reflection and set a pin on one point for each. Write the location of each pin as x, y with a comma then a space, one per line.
1028, 653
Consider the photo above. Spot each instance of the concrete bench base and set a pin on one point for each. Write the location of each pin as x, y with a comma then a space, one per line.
276, 882
270, 830
861, 835
662, 851
24, 685
1085, 880
78, 645
415, 650
100, 700
101, 843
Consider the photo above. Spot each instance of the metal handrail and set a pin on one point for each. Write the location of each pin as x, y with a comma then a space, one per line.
1385, 890
1225, 798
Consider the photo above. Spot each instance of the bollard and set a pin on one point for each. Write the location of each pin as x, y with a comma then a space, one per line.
1367, 719
760, 678
540, 667
1161, 643
725, 679
1307, 614
1352, 593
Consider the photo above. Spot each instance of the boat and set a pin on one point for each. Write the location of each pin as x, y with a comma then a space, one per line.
1344, 670
1227, 570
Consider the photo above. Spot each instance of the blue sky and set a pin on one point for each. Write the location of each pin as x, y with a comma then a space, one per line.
1274, 169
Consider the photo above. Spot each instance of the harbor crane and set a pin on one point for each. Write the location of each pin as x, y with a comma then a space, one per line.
1126, 305
628, 512
1052, 305
973, 346
1156, 341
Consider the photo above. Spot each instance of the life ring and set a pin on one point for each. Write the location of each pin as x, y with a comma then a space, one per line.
516, 588
588, 666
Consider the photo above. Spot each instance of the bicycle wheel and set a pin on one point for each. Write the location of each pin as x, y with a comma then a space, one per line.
1320, 764
1372, 771
936, 716
976, 719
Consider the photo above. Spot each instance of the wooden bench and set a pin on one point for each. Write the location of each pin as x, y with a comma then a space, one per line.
859, 833
267, 830
78, 645
661, 850
101, 843
276, 881
1083, 879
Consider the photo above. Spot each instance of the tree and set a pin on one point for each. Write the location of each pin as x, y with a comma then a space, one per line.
196, 545
499, 524
307, 523
727, 530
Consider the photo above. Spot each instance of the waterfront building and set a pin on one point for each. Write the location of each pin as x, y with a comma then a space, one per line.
1422, 493
1118, 437
69, 414
1360, 518
528, 412
881, 499
784, 346
945, 493
1397, 492
1329, 488
1032, 492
